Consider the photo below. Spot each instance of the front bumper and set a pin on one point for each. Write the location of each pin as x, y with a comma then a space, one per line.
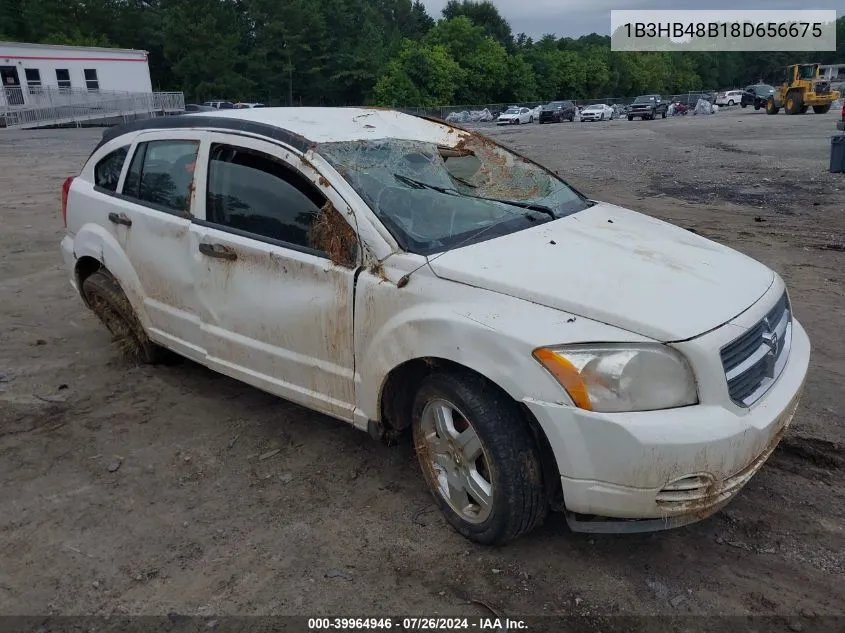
677, 465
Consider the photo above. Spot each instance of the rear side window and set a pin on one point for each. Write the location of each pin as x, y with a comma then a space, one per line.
253, 192
107, 170
162, 174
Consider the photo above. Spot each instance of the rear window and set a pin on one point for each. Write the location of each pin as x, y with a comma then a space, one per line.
107, 170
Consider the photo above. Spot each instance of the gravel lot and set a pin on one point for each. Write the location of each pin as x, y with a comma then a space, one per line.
144, 490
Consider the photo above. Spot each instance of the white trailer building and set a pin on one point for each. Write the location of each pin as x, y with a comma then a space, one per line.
45, 84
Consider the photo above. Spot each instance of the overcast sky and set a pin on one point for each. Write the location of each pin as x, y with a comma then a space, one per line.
580, 17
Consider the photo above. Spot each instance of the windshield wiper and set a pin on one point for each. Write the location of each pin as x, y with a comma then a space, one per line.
533, 206
418, 184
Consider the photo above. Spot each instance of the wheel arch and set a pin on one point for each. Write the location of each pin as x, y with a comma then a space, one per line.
95, 245
396, 397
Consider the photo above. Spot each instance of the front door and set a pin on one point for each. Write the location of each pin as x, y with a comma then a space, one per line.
11, 85
274, 265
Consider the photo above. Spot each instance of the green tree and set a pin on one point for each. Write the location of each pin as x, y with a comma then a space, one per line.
204, 45
421, 75
482, 13
484, 60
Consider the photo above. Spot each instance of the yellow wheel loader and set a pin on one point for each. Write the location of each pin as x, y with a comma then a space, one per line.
802, 89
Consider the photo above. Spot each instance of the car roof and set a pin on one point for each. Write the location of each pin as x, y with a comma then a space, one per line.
303, 127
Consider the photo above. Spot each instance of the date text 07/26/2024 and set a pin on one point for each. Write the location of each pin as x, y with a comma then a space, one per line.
416, 624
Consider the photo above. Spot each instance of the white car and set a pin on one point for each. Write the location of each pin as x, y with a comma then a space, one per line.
545, 350
598, 112
241, 105
729, 98
515, 115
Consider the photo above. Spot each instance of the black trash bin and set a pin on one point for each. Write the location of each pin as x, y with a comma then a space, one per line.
837, 154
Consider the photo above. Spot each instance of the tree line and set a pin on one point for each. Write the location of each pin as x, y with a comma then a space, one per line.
386, 52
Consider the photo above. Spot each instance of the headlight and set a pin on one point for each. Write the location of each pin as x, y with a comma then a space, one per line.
613, 378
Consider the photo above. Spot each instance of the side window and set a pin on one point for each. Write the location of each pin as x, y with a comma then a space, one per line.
162, 173
107, 170
63, 79
256, 193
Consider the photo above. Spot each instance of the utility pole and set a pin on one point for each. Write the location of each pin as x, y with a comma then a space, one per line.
290, 76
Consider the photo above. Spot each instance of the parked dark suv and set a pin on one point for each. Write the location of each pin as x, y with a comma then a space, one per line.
757, 95
647, 107
557, 112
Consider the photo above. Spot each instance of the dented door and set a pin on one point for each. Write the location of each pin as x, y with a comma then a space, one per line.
274, 266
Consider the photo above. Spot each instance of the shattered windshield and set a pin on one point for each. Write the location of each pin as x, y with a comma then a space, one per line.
644, 99
433, 198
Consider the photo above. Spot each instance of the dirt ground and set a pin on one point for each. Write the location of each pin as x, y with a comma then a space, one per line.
136, 490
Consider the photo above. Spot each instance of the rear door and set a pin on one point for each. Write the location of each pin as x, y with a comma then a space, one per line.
151, 220
274, 266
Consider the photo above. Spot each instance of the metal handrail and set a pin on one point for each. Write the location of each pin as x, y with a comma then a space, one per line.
54, 106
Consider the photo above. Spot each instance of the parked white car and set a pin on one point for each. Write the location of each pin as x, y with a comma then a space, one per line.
515, 115
598, 112
544, 349
729, 98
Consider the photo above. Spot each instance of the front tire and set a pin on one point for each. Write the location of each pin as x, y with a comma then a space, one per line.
771, 108
731, 102
531, 119
109, 303
821, 109
794, 102
478, 457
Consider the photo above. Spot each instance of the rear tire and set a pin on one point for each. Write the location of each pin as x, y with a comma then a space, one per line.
821, 109
630, 118
478, 458
107, 300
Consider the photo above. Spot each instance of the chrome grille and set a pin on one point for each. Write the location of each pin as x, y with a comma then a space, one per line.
754, 360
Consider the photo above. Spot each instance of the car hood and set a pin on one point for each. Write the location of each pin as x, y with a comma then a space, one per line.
508, 116
619, 267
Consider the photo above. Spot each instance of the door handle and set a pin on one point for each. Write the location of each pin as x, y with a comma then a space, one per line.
119, 219
217, 250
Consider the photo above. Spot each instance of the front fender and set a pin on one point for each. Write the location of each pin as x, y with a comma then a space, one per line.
92, 240
489, 333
